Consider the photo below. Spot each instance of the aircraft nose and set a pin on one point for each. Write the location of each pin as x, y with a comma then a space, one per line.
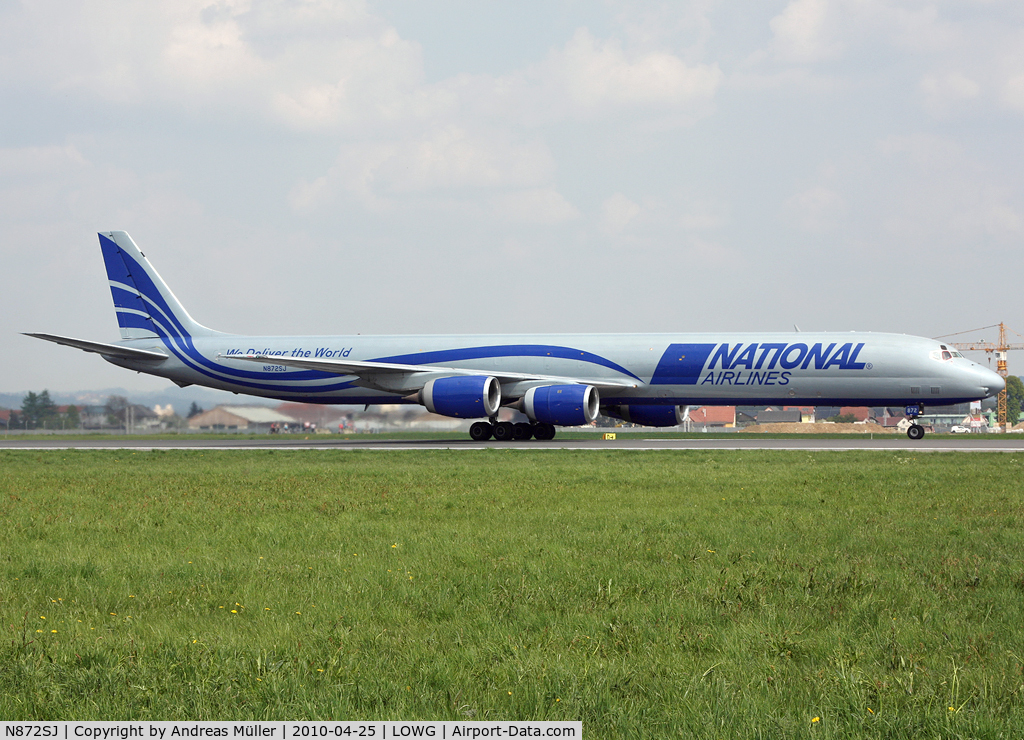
992, 382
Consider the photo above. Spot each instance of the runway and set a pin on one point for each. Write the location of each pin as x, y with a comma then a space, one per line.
732, 442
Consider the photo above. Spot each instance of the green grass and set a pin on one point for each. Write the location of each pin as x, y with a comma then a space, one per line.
704, 594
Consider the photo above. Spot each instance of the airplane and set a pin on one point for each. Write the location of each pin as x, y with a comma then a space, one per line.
553, 379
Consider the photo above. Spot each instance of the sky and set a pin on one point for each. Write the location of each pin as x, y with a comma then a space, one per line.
458, 166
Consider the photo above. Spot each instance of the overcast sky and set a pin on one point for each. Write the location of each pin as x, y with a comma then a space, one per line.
466, 166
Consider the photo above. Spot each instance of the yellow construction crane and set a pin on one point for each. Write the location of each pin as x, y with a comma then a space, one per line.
1000, 349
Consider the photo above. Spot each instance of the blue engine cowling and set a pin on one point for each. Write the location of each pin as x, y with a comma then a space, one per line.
648, 415
462, 396
565, 405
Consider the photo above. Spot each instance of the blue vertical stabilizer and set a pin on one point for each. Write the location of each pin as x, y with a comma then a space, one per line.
145, 306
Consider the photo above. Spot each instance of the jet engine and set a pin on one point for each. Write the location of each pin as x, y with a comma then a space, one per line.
648, 415
565, 405
462, 396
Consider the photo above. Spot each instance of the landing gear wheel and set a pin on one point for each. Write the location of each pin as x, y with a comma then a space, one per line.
543, 431
504, 431
523, 431
915, 431
480, 431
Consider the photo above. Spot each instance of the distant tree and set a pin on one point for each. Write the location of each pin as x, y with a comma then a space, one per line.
48, 414
1014, 398
29, 409
39, 410
72, 419
194, 410
117, 406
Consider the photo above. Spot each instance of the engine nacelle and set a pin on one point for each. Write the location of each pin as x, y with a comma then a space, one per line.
564, 405
462, 396
648, 415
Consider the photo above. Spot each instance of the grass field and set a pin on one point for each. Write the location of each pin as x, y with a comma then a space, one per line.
753, 594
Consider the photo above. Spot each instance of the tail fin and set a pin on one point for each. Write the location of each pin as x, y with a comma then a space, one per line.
145, 306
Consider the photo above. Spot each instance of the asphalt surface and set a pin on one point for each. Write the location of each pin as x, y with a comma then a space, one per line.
931, 443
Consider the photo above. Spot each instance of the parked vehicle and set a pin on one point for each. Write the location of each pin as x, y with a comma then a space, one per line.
958, 429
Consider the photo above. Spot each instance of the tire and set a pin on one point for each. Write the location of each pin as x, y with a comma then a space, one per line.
523, 431
915, 431
504, 431
543, 431
480, 431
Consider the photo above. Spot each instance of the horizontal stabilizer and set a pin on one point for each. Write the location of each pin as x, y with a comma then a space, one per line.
107, 350
360, 369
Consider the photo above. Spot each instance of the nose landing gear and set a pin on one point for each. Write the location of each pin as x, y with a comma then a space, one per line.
915, 431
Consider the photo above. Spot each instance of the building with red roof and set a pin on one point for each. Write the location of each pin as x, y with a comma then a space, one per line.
860, 413
713, 416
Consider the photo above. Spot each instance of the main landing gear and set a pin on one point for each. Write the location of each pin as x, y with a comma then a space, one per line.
915, 431
506, 431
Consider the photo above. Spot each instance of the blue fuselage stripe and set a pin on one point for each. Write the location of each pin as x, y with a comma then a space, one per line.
504, 351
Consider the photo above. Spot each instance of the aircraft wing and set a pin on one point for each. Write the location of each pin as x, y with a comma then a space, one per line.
107, 350
362, 368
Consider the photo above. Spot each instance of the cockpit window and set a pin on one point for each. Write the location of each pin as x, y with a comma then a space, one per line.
944, 355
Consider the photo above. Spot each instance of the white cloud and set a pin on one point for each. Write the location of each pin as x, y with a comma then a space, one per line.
923, 149
992, 217
816, 210
805, 32
812, 31
449, 160
703, 215
364, 80
58, 184
454, 158
915, 27
586, 78
206, 55
704, 253
616, 213
37, 161
945, 92
306, 64
599, 73
1013, 92
317, 65
540, 206
650, 24
307, 197
455, 135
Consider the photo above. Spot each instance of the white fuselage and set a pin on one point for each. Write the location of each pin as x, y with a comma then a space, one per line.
852, 368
